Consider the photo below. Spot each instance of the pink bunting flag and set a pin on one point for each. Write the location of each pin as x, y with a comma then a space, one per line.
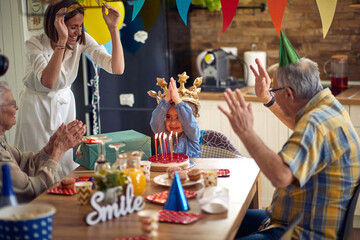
228, 11
277, 9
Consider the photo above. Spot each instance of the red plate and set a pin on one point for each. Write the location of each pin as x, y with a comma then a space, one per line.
59, 190
178, 217
132, 238
223, 172
161, 197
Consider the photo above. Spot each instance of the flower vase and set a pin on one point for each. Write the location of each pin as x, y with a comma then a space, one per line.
112, 194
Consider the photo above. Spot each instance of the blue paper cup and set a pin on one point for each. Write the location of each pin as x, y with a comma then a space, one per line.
27, 221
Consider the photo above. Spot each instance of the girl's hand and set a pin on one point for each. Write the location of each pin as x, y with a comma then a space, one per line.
60, 26
168, 94
112, 18
174, 91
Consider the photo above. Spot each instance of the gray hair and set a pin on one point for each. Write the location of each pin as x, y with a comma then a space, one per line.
4, 88
302, 77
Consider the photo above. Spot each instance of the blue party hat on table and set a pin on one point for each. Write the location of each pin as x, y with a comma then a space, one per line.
176, 200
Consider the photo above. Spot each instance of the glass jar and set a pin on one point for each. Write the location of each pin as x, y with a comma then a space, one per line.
131, 168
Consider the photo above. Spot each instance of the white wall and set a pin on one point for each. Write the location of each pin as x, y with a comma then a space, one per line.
13, 32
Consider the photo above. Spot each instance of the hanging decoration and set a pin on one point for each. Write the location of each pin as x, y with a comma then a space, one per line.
94, 22
228, 11
136, 8
277, 9
183, 8
327, 11
95, 99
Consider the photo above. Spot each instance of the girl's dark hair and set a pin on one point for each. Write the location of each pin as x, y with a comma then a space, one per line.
50, 15
194, 108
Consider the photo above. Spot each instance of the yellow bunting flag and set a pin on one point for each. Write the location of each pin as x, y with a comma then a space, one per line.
327, 11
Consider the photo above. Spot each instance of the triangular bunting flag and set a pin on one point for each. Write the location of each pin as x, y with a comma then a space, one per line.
136, 8
287, 53
228, 11
183, 8
327, 11
277, 9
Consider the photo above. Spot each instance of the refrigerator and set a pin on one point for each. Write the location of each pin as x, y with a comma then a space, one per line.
162, 51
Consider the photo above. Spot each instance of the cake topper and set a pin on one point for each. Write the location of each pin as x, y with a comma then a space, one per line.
186, 95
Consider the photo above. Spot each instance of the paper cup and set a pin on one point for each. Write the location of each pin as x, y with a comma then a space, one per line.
83, 192
210, 177
145, 166
149, 223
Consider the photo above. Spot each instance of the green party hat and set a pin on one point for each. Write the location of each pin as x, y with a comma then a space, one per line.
287, 53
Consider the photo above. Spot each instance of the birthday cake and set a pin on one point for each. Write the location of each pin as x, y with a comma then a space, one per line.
161, 162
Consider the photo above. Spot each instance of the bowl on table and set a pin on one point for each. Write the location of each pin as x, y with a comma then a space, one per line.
27, 221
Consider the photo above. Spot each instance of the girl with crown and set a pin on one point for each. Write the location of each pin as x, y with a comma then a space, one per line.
177, 115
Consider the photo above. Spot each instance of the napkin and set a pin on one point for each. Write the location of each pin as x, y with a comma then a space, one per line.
215, 200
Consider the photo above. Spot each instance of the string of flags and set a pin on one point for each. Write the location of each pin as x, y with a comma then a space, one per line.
276, 8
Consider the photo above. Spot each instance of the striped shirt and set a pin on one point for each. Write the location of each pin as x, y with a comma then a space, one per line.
323, 154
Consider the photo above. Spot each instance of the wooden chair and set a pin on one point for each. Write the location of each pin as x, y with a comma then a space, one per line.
216, 145
346, 233
290, 229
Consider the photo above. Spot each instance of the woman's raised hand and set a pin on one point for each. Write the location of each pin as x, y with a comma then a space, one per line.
60, 26
112, 18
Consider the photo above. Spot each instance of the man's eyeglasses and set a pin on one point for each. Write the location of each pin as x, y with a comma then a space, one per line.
272, 91
12, 104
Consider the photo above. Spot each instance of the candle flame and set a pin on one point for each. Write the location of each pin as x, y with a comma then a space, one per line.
176, 134
160, 135
156, 135
170, 136
164, 136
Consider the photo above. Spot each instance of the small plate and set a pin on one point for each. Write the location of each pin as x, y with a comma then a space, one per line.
162, 197
60, 191
164, 180
178, 217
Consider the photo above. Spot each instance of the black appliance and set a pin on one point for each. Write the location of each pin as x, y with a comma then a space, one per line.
163, 54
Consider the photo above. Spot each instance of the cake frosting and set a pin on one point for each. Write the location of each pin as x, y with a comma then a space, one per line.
161, 163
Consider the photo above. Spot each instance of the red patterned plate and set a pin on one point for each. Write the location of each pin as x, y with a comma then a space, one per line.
178, 217
161, 197
223, 172
59, 190
132, 238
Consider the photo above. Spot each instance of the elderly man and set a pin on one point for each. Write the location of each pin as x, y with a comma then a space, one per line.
33, 173
318, 168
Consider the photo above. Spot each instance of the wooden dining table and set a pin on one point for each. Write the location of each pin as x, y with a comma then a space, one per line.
244, 192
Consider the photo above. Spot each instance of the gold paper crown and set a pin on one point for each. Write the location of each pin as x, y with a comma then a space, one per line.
187, 95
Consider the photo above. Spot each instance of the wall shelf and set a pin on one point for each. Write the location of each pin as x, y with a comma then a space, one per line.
355, 6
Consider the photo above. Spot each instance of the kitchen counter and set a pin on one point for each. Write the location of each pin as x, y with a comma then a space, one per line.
349, 97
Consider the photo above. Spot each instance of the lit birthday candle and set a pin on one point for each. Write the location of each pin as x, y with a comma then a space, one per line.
156, 136
161, 148
165, 144
177, 144
171, 144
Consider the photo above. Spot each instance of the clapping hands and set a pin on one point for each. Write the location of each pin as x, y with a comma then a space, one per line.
65, 138
173, 94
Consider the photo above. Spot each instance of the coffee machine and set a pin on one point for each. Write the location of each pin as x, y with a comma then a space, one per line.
214, 66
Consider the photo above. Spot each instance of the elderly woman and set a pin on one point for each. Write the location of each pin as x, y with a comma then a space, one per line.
33, 173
